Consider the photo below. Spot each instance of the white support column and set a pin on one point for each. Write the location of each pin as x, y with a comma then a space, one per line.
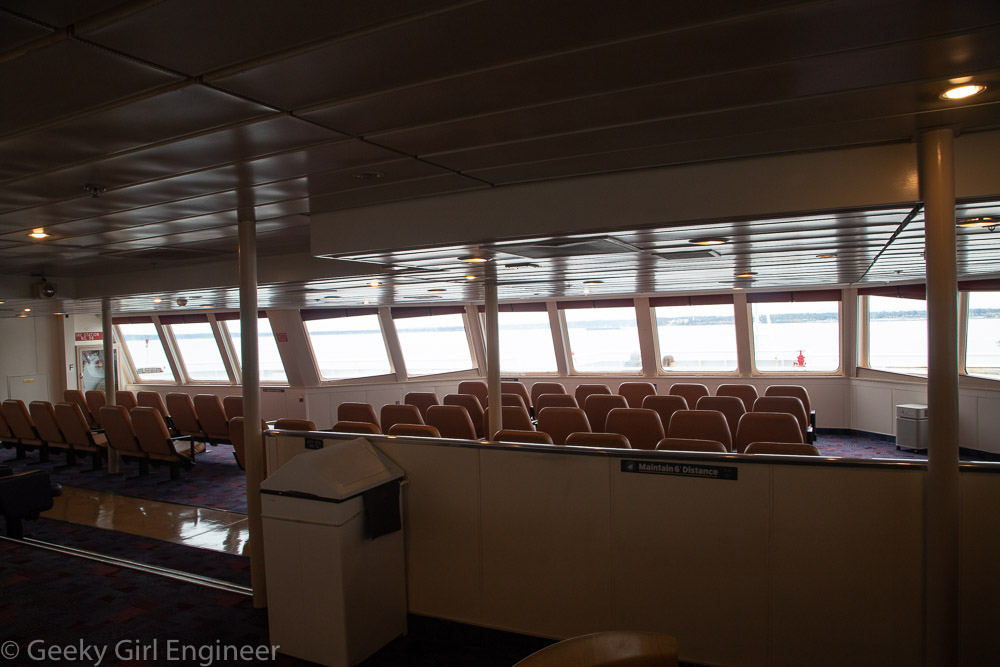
493, 350
744, 332
941, 488
252, 432
110, 379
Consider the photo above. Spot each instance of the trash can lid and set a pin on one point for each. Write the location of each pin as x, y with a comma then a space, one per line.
337, 472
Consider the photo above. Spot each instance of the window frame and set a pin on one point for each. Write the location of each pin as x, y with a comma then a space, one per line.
663, 373
473, 371
391, 376
227, 362
513, 308
839, 371
129, 363
562, 307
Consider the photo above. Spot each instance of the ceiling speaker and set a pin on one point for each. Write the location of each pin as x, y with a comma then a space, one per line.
43, 290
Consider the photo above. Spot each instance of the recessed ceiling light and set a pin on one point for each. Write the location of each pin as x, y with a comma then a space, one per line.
206, 305
746, 274
961, 92
369, 175
437, 290
470, 277
2, 302
38, 233
366, 302
709, 240
27, 310
737, 287
826, 256
333, 296
474, 259
593, 282
157, 300
59, 313
21, 315
981, 221
373, 283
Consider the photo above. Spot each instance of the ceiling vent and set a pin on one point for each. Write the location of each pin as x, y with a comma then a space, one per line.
602, 245
704, 253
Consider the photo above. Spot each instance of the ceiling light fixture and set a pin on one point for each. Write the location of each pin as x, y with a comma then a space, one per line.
709, 240
470, 277
474, 259
826, 256
989, 222
961, 92
38, 233
157, 300
333, 296
437, 290
27, 310
746, 274
369, 175
593, 282
374, 283
59, 313
366, 302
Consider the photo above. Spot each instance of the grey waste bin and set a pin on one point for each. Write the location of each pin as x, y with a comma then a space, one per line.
911, 427
333, 552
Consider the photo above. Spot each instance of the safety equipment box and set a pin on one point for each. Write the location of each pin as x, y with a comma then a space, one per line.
911, 427
333, 553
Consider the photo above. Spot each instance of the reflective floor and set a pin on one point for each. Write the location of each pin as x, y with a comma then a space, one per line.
183, 524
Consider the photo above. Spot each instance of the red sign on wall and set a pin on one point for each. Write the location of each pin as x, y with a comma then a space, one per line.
281, 337
89, 335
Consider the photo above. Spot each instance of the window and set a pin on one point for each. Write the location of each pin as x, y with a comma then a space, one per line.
982, 350
271, 368
526, 343
199, 352
796, 337
149, 361
603, 340
433, 343
347, 347
897, 334
696, 339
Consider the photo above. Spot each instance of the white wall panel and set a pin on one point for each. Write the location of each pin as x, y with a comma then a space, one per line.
873, 409
979, 642
987, 424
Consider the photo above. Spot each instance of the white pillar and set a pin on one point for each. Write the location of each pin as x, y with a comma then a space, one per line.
493, 350
110, 381
252, 432
941, 488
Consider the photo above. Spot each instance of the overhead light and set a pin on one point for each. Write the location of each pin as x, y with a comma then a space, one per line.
2, 302
709, 240
59, 313
21, 315
470, 277
369, 175
826, 256
206, 305
157, 300
333, 296
437, 290
982, 221
961, 92
366, 302
737, 287
374, 283
474, 259
593, 282
38, 233
27, 310
746, 274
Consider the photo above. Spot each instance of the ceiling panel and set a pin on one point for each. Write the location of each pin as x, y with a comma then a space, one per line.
16, 31
60, 13
232, 31
69, 77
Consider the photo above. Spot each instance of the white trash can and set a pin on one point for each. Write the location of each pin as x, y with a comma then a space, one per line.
333, 552
911, 427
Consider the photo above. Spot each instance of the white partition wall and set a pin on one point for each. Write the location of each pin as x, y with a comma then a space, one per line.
746, 560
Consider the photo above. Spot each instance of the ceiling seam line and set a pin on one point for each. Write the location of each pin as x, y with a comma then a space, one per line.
906, 221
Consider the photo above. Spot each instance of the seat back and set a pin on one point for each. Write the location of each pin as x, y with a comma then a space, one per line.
793, 448
96, 399
513, 400
151, 399
211, 416
798, 391
560, 422
73, 424
514, 417
152, 434
691, 445
358, 412
392, 414
515, 435
20, 422
233, 406
608, 649
641, 426
701, 425
634, 392
543, 401
451, 421
540, 388
691, 391
746, 392
347, 426
767, 427
182, 414
730, 406
516, 388
789, 404
423, 400
6, 435
289, 424
126, 399
665, 405
237, 436
44, 416
477, 388
471, 405
607, 440
582, 391
597, 407
415, 430
118, 428
76, 396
